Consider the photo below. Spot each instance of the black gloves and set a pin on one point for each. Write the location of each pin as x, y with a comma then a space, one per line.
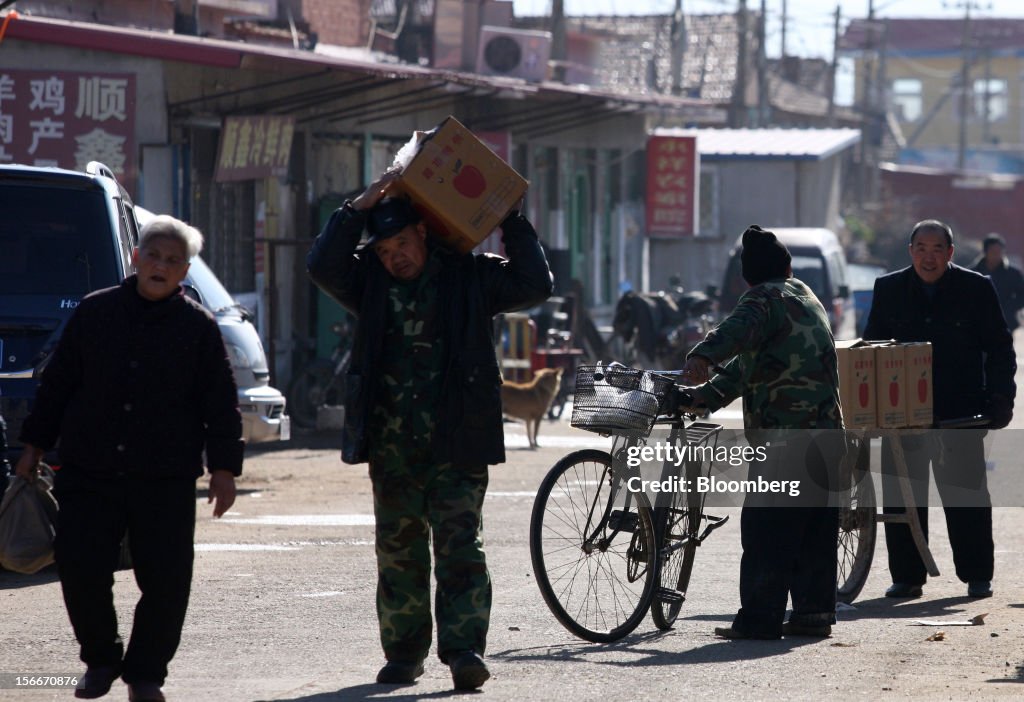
677, 399
1000, 410
516, 224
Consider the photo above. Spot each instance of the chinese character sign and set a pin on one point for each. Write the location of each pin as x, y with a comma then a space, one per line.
673, 176
254, 147
67, 119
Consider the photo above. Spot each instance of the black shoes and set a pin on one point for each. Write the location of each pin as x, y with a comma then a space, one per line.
97, 681
979, 588
400, 673
468, 670
904, 590
822, 631
145, 692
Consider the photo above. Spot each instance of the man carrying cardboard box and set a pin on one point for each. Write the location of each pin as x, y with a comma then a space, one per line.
973, 365
422, 405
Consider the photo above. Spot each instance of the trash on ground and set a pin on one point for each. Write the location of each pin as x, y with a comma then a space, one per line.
973, 621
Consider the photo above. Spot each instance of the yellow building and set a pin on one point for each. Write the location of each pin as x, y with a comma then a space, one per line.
910, 72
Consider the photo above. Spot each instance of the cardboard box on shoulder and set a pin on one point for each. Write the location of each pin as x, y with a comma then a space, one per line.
917, 361
891, 384
857, 384
461, 187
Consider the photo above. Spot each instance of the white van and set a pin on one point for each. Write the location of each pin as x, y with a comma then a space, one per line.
818, 260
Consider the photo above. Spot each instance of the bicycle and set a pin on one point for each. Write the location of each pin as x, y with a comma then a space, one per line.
603, 555
322, 381
858, 516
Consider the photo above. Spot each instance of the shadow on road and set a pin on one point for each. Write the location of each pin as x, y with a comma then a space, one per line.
9, 580
371, 691
718, 651
888, 608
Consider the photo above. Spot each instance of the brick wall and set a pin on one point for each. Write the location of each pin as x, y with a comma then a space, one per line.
340, 22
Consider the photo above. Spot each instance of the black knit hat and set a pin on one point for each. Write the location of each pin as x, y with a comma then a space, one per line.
388, 217
763, 257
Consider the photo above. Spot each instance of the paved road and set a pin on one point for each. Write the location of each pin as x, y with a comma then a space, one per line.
282, 608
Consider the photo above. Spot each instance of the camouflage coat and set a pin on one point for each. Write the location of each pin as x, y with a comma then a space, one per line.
783, 360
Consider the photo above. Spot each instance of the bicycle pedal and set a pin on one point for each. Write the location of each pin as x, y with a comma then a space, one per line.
620, 520
713, 523
669, 596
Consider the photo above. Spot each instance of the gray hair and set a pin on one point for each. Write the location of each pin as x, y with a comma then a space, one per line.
167, 227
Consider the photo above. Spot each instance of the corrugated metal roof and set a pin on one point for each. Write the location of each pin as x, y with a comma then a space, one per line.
768, 144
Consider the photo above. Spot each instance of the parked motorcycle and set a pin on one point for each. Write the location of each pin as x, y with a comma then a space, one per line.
658, 329
322, 381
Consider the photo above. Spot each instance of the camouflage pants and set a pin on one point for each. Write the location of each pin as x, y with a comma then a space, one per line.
414, 503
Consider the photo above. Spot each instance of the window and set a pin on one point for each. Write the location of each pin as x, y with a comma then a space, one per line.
906, 99
993, 93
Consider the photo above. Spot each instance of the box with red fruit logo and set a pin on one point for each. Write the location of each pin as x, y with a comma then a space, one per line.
857, 384
917, 361
461, 187
891, 382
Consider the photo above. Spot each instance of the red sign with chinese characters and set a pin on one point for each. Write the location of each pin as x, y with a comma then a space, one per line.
255, 146
673, 174
67, 119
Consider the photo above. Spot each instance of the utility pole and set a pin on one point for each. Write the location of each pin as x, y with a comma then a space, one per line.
965, 77
986, 132
738, 108
832, 70
678, 47
558, 45
867, 108
763, 105
785, 18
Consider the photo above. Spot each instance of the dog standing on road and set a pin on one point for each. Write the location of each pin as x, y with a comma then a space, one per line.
530, 401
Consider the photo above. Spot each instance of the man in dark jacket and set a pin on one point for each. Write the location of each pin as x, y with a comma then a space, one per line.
1008, 279
138, 387
422, 405
973, 368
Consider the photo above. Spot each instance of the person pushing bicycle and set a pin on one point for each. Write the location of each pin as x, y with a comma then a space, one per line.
784, 365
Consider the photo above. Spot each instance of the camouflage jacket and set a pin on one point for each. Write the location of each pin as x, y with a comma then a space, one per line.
408, 385
783, 360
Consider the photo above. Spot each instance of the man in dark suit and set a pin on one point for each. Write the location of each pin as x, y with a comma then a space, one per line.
973, 367
1007, 278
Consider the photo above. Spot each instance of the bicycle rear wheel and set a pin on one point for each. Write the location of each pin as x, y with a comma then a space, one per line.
857, 533
592, 547
678, 525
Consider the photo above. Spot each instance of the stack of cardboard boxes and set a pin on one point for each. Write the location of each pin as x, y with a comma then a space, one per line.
885, 385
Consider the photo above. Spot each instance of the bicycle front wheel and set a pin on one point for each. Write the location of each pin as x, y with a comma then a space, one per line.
857, 533
315, 386
592, 547
678, 523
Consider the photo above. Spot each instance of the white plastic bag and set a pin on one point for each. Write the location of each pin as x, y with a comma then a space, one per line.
406, 154
28, 515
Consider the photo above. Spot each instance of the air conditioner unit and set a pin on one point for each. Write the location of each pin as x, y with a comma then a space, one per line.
516, 53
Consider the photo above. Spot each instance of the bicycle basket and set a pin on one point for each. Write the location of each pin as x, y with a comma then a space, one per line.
617, 400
